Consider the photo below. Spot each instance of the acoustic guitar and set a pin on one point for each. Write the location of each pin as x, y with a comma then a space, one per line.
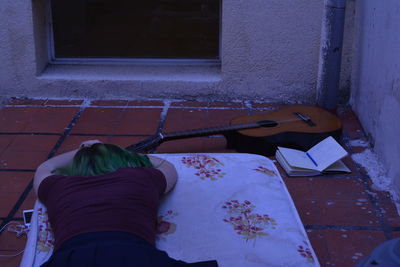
299, 127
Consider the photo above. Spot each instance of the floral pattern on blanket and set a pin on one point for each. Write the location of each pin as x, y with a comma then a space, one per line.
207, 167
164, 224
305, 252
45, 234
265, 170
246, 223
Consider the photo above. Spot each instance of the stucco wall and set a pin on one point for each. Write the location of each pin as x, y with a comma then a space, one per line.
269, 51
376, 78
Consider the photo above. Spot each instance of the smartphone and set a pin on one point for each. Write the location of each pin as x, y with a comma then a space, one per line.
27, 215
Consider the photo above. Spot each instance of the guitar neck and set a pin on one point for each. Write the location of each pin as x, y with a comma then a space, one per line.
208, 131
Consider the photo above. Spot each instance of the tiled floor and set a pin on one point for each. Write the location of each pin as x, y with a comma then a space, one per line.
343, 216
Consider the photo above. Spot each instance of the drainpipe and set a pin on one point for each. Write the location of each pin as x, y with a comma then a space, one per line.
330, 53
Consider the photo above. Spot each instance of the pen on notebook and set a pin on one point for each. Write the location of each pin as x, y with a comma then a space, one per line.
308, 155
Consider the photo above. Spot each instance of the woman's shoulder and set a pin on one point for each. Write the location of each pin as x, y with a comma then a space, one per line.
48, 183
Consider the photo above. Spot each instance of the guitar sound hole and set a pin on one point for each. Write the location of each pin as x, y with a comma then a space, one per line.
268, 123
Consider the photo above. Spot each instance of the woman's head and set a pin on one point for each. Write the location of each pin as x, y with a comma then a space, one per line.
102, 158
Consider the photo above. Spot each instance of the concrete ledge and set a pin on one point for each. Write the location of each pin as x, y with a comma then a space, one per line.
132, 73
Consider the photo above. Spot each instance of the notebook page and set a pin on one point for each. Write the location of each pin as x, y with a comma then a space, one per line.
296, 158
327, 152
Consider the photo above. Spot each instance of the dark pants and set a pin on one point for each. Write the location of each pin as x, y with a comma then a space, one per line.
113, 249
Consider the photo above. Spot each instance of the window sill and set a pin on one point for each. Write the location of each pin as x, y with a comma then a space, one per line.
132, 72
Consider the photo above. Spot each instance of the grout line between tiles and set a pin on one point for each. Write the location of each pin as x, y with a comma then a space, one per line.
163, 116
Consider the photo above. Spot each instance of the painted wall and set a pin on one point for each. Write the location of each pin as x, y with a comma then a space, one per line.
375, 93
269, 52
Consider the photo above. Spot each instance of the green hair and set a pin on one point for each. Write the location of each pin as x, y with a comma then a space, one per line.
101, 159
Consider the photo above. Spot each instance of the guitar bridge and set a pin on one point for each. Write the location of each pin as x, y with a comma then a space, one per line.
305, 118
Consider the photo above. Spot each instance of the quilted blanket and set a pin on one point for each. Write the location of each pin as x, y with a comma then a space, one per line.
233, 208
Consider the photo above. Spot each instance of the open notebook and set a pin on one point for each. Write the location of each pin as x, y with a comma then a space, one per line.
233, 208
324, 157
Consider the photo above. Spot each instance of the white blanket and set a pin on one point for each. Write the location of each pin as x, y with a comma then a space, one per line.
233, 208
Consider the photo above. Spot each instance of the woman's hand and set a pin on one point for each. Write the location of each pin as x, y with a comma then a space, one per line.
89, 143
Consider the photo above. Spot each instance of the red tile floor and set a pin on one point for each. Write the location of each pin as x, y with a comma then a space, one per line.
343, 216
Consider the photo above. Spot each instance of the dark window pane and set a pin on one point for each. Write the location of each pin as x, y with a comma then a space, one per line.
136, 29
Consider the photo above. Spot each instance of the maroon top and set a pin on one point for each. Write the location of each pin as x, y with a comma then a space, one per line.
126, 200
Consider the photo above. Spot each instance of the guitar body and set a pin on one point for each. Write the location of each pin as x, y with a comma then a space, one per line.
290, 131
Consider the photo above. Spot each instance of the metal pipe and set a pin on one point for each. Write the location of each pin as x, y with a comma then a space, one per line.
330, 53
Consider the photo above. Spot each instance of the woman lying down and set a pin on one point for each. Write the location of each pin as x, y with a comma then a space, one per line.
102, 204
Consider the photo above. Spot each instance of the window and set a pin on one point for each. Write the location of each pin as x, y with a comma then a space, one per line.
132, 29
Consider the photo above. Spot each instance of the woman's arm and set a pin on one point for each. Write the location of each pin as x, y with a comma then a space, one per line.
45, 169
168, 169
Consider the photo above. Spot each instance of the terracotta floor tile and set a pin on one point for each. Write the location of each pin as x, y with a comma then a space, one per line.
7, 202
195, 145
351, 125
98, 121
319, 245
15, 119
10, 261
222, 117
308, 211
22, 159
347, 247
338, 188
326, 188
185, 119
51, 120
28, 204
299, 187
336, 212
358, 212
30, 143
14, 182
5, 141
138, 121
